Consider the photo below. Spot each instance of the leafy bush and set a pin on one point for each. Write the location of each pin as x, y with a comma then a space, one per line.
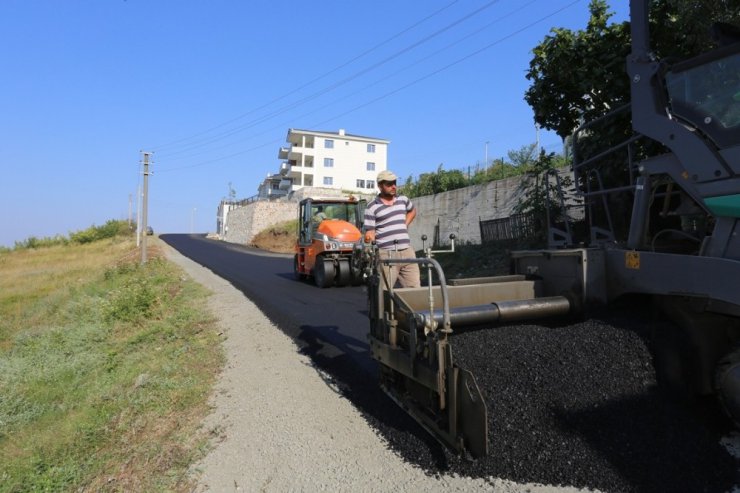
111, 229
137, 293
521, 161
33, 242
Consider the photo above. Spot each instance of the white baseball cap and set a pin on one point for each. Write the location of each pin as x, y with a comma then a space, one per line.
386, 175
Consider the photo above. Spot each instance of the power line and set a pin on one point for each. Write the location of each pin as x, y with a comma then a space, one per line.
316, 79
313, 96
394, 74
452, 64
400, 88
332, 87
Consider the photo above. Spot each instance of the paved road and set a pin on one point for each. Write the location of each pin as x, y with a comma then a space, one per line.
330, 325
595, 422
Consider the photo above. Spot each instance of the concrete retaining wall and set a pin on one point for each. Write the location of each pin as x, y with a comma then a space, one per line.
457, 211
244, 223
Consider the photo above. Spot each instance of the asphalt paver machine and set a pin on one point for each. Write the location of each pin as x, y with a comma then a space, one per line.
680, 249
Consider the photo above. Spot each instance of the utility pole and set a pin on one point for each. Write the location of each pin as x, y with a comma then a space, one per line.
485, 163
144, 199
138, 215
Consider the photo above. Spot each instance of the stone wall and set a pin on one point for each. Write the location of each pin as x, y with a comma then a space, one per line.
243, 223
459, 211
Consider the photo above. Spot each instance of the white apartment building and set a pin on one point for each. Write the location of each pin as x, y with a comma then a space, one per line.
330, 160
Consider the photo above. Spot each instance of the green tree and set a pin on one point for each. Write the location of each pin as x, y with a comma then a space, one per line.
596, 80
524, 157
541, 194
441, 181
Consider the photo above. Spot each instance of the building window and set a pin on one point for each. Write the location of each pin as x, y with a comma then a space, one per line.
328, 180
371, 148
328, 162
370, 166
371, 184
329, 144
360, 184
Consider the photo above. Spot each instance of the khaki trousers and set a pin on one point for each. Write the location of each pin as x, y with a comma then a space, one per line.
407, 275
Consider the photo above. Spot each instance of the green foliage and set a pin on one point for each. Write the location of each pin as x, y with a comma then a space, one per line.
596, 83
522, 161
34, 242
523, 157
680, 29
111, 229
285, 227
132, 301
431, 183
595, 80
541, 194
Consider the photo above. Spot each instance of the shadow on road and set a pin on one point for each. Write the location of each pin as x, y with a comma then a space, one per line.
332, 354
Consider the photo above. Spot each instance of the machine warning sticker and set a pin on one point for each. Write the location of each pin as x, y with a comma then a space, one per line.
632, 260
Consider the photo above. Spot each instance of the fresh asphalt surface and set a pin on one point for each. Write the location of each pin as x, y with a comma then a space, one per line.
330, 325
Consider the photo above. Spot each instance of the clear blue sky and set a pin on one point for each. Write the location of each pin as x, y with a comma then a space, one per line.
211, 88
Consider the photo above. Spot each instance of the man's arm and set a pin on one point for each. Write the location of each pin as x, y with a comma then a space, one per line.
369, 222
410, 216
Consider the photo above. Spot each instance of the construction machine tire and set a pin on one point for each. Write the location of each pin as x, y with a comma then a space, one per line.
323, 273
344, 272
727, 384
299, 276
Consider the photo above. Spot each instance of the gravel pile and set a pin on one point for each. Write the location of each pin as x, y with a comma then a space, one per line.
578, 405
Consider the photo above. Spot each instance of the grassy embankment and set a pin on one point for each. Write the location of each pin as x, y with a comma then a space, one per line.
105, 369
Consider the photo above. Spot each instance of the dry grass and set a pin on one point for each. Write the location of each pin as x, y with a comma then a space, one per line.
280, 238
105, 370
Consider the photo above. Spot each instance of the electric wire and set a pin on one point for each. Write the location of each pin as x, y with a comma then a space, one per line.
365, 88
316, 79
313, 96
394, 91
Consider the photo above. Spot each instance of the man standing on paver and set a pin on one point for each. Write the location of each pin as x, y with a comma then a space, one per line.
387, 219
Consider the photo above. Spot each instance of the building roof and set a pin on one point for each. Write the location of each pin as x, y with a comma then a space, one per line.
340, 133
